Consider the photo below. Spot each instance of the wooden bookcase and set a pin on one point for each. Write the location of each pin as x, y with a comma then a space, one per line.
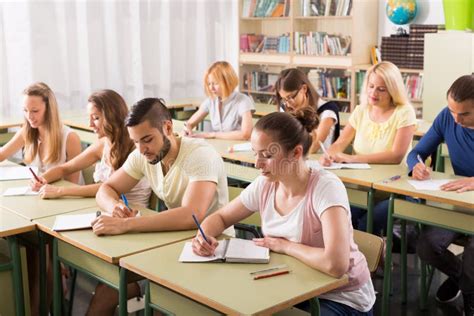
361, 25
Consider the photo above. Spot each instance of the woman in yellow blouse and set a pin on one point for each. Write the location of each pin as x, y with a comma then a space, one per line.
381, 129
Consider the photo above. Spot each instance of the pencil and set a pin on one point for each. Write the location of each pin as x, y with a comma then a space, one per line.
34, 174
269, 275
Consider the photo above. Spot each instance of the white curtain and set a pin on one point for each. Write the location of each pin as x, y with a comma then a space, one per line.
158, 48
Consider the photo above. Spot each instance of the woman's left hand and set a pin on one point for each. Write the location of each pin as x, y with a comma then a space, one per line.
341, 157
275, 244
48, 191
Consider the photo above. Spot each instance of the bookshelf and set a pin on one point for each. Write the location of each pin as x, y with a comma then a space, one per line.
413, 79
350, 37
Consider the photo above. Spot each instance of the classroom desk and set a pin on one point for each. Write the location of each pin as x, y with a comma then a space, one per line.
448, 210
262, 109
15, 121
99, 256
12, 225
33, 207
229, 288
241, 173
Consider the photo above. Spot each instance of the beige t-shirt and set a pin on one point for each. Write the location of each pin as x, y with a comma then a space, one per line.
196, 161
372, 137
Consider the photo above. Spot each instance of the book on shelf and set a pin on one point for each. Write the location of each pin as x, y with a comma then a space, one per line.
265, 8
258, 43
325, 7
321, 44
330, 84
229, 250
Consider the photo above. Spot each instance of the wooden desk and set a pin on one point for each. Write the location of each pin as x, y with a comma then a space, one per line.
241, 173
12, 225
222, 146
99, 256
229, 288
262, 109
448, 210
33, 207
15, 121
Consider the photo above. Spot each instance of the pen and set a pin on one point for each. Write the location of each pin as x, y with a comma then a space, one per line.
420, 160
391, 179
269, 275
124, 199
324, 149
270, 269
97, 214
34, 174
200, 229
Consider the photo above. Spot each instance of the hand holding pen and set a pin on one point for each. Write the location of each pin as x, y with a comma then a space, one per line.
421, 171
203, 245
123, 210
326, 159
37, 182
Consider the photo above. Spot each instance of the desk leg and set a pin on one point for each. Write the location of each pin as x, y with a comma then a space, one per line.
56, 280
17, 278
123, 292
423, 285
403, 254
388, 258
42, 272
148, 311
370, 211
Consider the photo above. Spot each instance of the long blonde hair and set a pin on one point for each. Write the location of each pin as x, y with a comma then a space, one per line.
225, 75
393, 80
52, 123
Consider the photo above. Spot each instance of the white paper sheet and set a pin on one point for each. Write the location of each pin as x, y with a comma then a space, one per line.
19, 191
428, 185
16, 173
336, 165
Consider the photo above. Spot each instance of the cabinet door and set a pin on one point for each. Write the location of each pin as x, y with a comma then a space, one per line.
448, 55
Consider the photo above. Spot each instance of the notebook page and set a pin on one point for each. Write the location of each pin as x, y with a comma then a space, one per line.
429, 185
242, 250
72, 222
16, 173
19, 191
187, 255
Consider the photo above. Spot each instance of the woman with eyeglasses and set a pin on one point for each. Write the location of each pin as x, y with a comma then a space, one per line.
381, 129
230, 111
294, 91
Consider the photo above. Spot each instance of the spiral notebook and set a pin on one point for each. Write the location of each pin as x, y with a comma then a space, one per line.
229, 250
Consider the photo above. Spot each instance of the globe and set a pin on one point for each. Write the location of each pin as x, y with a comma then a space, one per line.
401, 12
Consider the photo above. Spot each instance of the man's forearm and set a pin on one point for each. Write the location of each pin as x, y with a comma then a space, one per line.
106, 198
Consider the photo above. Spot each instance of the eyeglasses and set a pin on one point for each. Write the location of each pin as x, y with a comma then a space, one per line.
290, 98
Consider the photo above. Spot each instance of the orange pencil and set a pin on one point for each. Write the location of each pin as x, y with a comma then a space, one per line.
269, 275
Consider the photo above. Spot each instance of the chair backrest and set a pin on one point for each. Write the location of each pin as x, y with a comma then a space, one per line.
371, 246
88, 174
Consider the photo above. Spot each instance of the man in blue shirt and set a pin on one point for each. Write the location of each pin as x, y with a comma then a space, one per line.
455, 126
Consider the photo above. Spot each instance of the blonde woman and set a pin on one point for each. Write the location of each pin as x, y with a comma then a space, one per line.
107, 112
381, 129
230, 111
46, 142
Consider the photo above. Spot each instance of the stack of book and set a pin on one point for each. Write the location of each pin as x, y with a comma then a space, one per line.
407, 51
265, 8
326, 7
321, 44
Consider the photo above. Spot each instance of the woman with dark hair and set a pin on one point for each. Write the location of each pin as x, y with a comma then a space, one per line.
305, 212
294, 91
107, 112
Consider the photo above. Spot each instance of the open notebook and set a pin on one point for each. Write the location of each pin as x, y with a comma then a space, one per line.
337, 165
229, 250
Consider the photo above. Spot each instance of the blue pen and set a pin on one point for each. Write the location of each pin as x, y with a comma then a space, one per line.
124, 199
200, 229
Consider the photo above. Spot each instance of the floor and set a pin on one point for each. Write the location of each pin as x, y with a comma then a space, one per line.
85, 287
